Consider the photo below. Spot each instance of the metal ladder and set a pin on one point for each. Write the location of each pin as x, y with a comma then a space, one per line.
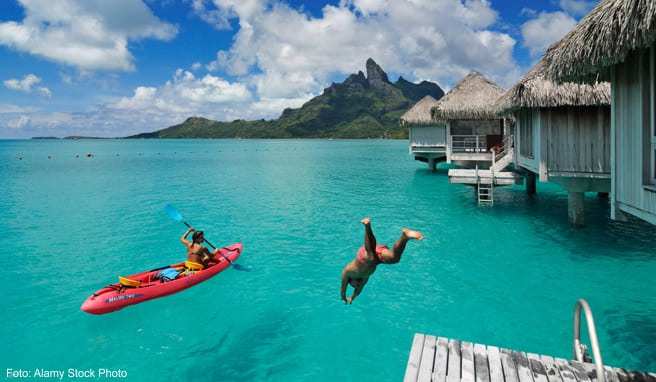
580, 350
485, 191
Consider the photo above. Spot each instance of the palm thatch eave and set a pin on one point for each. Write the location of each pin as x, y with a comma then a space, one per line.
420, 113
537, 91
474, 97
603, 38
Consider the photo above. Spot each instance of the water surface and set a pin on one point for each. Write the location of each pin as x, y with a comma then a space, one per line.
507, 275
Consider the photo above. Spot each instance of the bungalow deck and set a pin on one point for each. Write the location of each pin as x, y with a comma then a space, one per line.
447, 360
473, 177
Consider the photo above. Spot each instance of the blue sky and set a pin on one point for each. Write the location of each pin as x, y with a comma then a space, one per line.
121, 67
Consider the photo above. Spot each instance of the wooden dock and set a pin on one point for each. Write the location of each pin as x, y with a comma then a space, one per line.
443, 360
473, 177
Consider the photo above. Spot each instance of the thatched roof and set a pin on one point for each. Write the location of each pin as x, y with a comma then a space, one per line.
604, 37
534, 90
420, 113
474, 97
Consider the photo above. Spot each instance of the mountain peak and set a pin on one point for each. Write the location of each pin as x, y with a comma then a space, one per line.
375, 74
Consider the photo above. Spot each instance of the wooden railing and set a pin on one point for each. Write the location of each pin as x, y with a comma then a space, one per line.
423, 147
501, 152
468, 143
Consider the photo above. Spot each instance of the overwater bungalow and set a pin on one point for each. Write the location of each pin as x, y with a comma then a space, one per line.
616, 42
562, 134
472, 124
477, 137
427, 137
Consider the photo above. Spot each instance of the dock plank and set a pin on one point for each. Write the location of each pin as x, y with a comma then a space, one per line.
441, 360
591, 369
523, 368
467, 362
581, 372
637, 376
610, 374
453, 368
621, 374
553, 374
412, 369
537, 368
427, 359
509, 367
481, 363
494, 362
569, 373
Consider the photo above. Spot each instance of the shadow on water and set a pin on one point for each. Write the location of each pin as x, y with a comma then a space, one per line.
547, 212
625, 329
269, 343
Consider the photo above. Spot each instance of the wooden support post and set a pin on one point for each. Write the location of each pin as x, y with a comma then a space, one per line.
530, 182
575, 209
432, 164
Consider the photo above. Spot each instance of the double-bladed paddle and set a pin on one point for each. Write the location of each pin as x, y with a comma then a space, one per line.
174, 214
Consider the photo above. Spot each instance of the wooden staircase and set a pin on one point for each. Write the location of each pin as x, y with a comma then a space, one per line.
505, 155
500, 160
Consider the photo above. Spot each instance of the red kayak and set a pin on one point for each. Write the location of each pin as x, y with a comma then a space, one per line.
160, 282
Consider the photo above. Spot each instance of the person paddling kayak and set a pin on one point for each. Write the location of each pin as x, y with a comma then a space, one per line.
371, 254
196, 251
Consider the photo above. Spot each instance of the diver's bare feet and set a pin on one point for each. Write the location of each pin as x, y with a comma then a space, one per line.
366, 221
412, 234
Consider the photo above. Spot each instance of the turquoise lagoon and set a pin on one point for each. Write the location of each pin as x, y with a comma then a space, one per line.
507, 275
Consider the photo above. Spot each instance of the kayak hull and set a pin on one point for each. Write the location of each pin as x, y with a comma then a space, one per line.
112, 297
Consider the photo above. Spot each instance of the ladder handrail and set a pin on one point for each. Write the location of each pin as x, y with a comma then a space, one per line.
592, 333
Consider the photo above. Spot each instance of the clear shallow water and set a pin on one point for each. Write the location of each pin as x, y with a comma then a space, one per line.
507, 276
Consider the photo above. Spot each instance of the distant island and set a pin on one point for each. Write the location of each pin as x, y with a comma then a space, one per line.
73, 137
359, 107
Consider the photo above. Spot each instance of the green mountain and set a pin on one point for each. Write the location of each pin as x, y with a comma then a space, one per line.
360, 107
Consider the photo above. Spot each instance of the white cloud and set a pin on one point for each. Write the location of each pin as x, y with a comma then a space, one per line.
185, 93
14, 109
538, 34
28, 85
295, 54
577, 7
546, 28
280, 57
19, 123
90, 35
